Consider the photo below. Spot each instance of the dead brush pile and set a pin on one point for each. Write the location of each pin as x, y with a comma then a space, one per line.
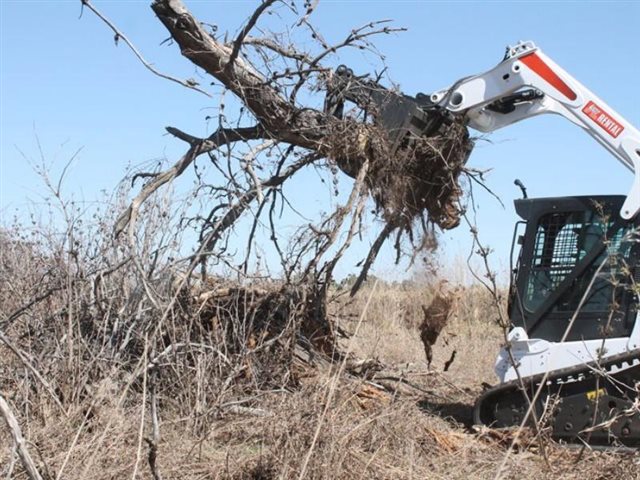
86, 342
85, 321
261, 326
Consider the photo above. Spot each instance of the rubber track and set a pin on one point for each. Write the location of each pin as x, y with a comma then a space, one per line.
586, 394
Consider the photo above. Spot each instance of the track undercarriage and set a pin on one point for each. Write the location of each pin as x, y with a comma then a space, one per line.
596, 403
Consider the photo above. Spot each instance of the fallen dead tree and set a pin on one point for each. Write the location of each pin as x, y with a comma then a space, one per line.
276, 136
411, 188
118, 319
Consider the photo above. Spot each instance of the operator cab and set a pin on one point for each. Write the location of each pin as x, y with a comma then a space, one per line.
566, 242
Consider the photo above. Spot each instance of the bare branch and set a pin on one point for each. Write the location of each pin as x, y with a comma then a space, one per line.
356, 35
311, 6
237, 44
18, 439
185, 137
371, 256
247, 162
305, 128
243, 202
288, 51
154, 439
33, 370
119, 35
219, 138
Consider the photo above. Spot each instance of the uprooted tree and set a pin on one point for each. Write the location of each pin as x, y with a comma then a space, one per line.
116, 318
277, 134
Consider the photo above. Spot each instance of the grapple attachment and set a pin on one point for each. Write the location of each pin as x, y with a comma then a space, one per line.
402, 116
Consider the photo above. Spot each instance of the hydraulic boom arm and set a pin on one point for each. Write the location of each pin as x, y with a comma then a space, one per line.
528, 83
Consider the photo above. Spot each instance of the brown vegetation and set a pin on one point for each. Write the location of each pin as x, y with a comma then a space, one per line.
123, 357
223, 391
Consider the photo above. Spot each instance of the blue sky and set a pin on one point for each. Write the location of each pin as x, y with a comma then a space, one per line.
62, 78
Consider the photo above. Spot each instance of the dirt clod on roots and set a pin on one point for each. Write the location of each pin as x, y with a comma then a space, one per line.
423, 180
419, 183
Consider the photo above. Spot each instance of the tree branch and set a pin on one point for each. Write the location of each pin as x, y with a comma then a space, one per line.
288, 52
237, 44
371, 257
18, 439
305, 128
119, 35
235, 211
220, 137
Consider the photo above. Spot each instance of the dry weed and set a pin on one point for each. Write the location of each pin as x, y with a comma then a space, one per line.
237, 395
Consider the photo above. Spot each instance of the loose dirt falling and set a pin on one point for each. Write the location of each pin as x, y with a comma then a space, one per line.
436, 317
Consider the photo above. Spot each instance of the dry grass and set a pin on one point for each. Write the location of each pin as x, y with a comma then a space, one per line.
391, 331
217, 421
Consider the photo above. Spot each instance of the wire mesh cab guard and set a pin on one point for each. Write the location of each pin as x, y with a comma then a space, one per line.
566, 242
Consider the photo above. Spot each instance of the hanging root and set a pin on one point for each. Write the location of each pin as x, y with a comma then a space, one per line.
417, 185
419, 182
